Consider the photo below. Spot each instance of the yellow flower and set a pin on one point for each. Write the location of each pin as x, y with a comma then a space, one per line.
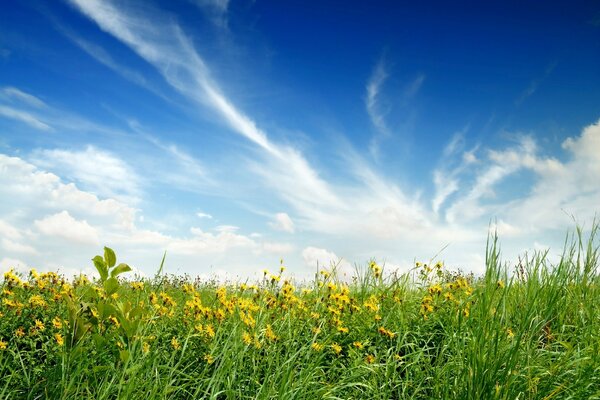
370, 359
316, 346
145, 347
59, 339
175, 343
20, 332
57, 323
358, 345
386, 332
114, 320
39, 325
209, 359
500, 284
247, 338
466, 312
336, 348
510, 333
3, 345
269, 334
210, 332
342, 329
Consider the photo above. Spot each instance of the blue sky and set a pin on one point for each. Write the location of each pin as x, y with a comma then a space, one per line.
233, 134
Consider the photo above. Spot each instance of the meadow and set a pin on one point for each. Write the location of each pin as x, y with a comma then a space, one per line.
528, 331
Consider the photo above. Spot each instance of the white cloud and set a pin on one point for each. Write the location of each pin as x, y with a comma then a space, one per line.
279, 249
62, 214
377, 79
414, 86
98, 170
16, 247
65, 226
9, 231
15, 264
203, 215
163, 44
315, 257
216, 10
14, 93
103, 57
283, 222
25, 117
227, 228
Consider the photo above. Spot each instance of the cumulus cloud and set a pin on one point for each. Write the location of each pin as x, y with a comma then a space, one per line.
323, 259
99, 171
65, 226
283, 222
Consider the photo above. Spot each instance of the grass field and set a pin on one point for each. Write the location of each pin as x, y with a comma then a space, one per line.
530, 332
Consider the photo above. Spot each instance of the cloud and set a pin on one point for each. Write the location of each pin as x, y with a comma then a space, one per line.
283, 222
215, 9
279, 249
65, 226
414, 86
175, 58
102, 56
100, 171
377, 79
323, 259
8, 263
26, 117
203, 215
21, 96
534, 85
16, 247
227, 228
9, 231
446, 176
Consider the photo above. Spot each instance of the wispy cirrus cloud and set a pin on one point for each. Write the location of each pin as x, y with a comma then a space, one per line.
535, 84
26, 117
377, 79
216, 10
13, 93
174, 56
375, 104
366, 204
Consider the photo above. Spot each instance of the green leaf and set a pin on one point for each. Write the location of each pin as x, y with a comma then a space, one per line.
124, 354
111, 286
101, 267
119, 269
110, 257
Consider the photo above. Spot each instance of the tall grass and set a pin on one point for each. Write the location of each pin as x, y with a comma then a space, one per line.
528, 332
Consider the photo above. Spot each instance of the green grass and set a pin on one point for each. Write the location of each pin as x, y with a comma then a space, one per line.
532, 332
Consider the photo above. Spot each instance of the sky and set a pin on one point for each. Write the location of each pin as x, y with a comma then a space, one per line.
235, 135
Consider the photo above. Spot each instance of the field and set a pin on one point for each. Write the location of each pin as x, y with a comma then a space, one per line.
525, 332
